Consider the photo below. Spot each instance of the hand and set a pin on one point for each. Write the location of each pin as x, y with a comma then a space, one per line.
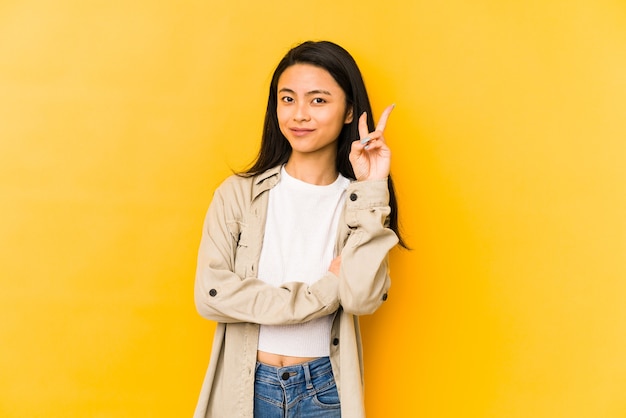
335, 265
370, 156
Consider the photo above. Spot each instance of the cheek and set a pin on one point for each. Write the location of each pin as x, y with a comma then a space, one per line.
337, 119
282, 120
284, 113
280, 116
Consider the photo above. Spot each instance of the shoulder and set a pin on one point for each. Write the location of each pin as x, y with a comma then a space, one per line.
234, 188
235, 181
247, 187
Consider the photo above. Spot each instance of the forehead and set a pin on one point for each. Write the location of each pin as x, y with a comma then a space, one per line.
307, 77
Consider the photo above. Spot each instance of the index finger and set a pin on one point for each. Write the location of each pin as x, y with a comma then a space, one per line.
382, 122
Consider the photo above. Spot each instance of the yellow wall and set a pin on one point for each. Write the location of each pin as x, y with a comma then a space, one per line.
117, 120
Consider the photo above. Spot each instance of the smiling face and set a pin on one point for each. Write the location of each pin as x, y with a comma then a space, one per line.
311, 110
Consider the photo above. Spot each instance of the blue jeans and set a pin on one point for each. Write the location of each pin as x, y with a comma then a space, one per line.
305, 390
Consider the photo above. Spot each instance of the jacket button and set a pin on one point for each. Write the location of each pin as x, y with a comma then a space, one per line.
384, 297
212, 292
285, 376
335, 341
353, 197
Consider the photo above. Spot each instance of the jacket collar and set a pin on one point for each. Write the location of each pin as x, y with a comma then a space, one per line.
265, 181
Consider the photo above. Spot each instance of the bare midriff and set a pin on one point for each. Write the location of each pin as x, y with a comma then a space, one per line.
278, 360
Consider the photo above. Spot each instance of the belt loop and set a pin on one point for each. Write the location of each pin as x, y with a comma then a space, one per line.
307, 376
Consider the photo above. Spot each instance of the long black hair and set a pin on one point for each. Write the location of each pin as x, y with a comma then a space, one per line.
275, 149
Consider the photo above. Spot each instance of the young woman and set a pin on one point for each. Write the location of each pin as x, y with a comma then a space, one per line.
294, 249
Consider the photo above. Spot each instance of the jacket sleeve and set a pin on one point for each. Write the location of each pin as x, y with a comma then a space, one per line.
222, 295
364, 273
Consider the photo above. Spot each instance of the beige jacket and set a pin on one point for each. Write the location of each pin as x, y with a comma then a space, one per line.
227, 290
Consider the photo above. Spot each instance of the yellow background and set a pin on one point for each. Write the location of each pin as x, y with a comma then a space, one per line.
119, 118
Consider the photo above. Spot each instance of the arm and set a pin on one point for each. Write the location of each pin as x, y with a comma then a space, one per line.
364, 277
222, 295
363, 274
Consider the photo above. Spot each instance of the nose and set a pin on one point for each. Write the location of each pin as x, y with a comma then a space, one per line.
301, 112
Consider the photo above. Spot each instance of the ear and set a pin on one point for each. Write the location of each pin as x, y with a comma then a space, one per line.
349, 116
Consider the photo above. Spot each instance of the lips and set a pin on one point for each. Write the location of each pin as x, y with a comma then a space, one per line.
300, 131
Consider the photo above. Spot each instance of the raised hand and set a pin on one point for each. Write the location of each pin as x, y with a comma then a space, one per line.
370, 156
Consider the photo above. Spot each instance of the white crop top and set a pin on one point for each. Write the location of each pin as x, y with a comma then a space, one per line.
298, 246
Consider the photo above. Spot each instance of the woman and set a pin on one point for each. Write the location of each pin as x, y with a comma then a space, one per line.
296, 247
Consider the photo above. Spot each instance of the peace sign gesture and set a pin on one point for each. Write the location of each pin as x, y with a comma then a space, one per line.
370, 156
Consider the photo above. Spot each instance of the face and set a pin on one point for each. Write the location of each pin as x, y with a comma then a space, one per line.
311, 110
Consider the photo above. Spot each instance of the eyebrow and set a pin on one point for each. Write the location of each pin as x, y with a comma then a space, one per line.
310, 93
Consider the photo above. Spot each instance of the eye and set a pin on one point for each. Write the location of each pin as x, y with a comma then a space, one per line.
286, 99
318, 100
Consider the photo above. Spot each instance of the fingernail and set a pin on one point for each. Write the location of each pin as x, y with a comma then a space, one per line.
365, 140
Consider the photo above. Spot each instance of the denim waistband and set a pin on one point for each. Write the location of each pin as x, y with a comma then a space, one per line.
296, 374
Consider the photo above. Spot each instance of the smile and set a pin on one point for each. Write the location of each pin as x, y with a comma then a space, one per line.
300, 131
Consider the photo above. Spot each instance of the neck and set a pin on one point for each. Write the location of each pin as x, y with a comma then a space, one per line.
312, 170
